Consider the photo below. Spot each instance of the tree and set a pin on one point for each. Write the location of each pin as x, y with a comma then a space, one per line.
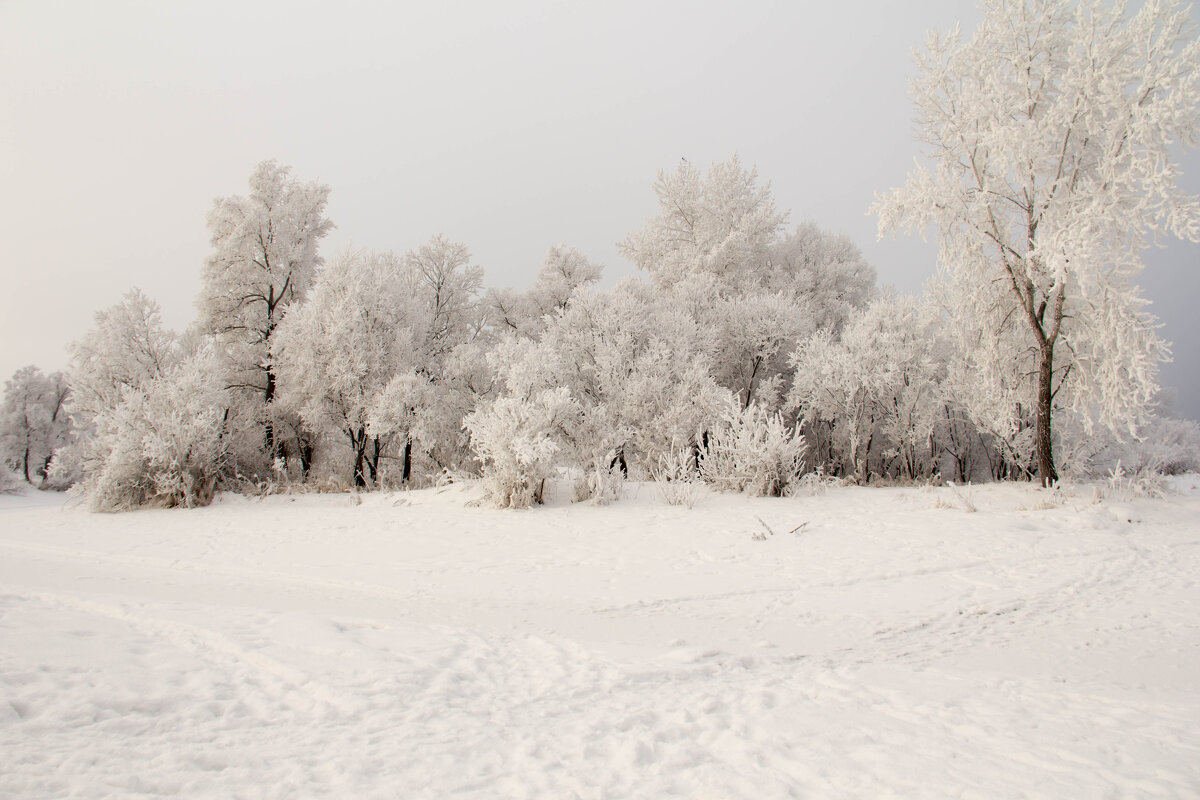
264, 260
721, 224
337, 351
163, 444
33, 421
1050, 144
444, 279
125, 350
825, 269
126, 347
565, 272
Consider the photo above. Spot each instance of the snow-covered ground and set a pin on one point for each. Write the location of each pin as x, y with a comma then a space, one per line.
411, 645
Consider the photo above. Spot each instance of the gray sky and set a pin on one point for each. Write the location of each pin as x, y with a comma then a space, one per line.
509, 126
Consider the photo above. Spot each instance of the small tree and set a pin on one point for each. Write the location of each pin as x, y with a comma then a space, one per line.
163, 444
1051, 138
33, 421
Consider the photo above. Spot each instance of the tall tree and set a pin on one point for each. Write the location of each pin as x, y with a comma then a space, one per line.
264, 260
1050, 144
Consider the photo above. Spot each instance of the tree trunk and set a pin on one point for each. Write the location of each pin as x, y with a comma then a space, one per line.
1043, 444
359, 441
373, 460
305, 450
406, 471
269, 428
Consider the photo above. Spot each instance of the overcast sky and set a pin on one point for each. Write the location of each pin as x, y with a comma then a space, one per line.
509, 126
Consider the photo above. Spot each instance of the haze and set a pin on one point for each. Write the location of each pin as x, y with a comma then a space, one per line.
510, 127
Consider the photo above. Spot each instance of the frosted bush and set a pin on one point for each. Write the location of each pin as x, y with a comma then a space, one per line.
601, 482
162, 445
753, 451
1129, 483
517, 442
677, 480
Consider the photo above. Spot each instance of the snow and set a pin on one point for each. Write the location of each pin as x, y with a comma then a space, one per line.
411, 644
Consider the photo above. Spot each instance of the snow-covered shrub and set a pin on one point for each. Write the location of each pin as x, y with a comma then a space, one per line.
1165, 445
753, 451
601, 481
518, 441
677, 480
162, 444
815, 483
1130, 483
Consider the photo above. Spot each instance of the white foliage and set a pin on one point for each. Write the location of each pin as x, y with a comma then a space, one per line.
162, 444
826, 270
264, 260
873, 400
1052, 136
447, 284
126, 348
518, 441
629, 357
720, 224
336, 352
753, 451
10, 482
677, 478
34, 422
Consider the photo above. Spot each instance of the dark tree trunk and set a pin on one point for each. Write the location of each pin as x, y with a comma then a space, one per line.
26, 462
269, 428
358, 440
1045, 398
373, 459
304, 449
697, 448
406, 469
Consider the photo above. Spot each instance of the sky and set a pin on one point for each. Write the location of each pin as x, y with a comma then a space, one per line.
509, 126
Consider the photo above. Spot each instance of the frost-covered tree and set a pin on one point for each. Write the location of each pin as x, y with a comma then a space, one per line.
126, 348
517, 440
826, 270
336, 352
264, 259
445, 281
754, 333
872, 401
451, 346
163, 444
1051, 139
721, 224
564, 272
632, 359
33, 421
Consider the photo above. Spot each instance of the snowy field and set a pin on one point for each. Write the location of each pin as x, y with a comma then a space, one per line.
410, 645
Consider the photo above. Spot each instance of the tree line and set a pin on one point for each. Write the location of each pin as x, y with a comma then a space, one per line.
750, 355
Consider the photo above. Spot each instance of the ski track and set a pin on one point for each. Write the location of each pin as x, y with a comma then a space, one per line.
427, 650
